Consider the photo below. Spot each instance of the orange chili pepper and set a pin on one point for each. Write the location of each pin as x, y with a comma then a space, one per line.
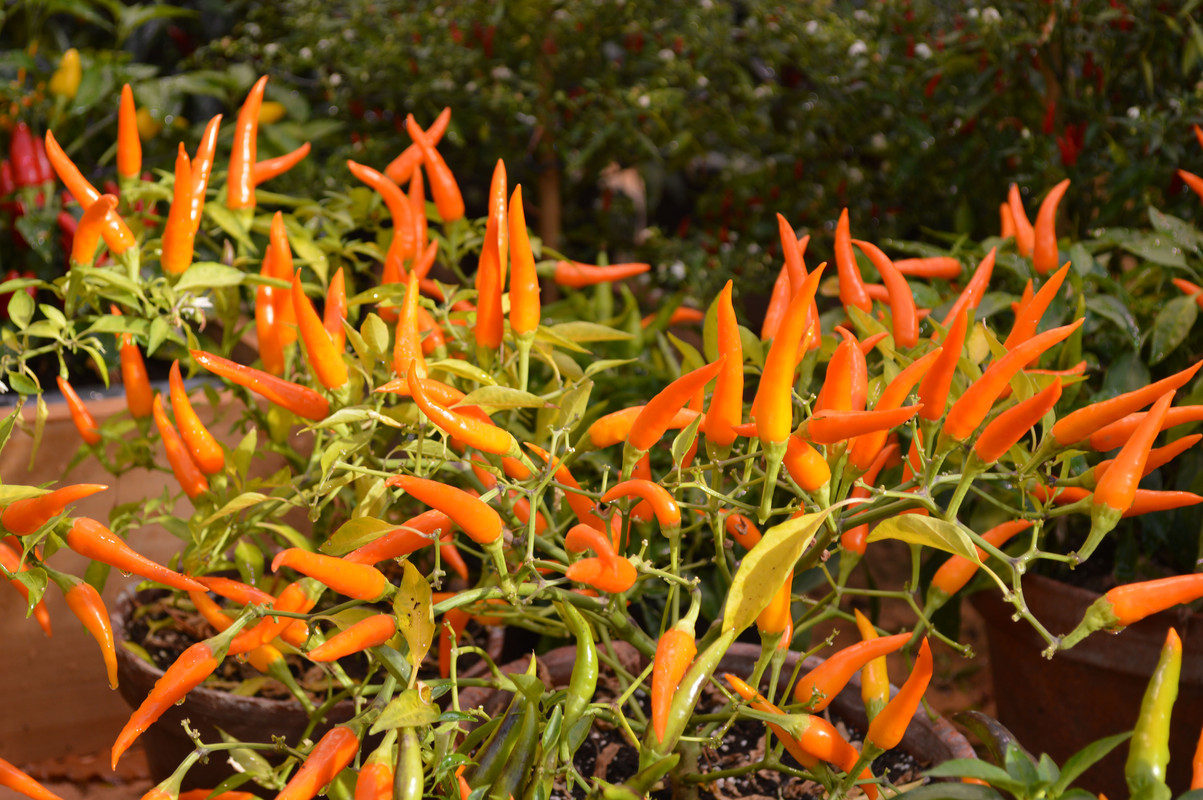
300, 400
874, 675
139, 397
846, 383
805, 465
1193, 181
855, 539
852, 285
773, 406
794, 265
267, 324
887, 728
1189, 288
742, 530
902, 301
11, 561
1147, 501
775, 617
178, 238
975, 403
945, 267
1029, 314
447, 197
240, 180
298, 597
1025, 234
524, 282
407, 346
615, 427
819, 687
272, 167
205, 450
413, 534
88, 607
335, 310
933, 389
483, 436
972, 295
129, 145
1117, 433
1132, 602
473, 515
657, 415
333, 753
778, 302
1006, 222
117, 235
189, 476
358, 581
417, 205
865, 449
1080, 424
22, 517
674, 655
491, 269
613, 576
957, 571
681, 315
405, 166
1044, 235
234, 590
1116, 490
1013, 424
667, 512
19, 781
576, 275
371, 632
85, 423
403, 245
374, 782
202, 165
87, 233
326, 361
1158, 457
829, 427
726, 404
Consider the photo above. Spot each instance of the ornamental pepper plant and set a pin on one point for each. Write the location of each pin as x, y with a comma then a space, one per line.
648, 490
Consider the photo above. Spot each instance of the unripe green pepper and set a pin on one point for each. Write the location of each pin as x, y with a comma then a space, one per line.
1149, 750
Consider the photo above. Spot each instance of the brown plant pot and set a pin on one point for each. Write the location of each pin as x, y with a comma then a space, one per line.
929, 741
1093, 690
249, 719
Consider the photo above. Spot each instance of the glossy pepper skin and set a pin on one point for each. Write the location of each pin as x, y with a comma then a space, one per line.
358, 581
87, 605
905, 318
117, 235
874, 675
1044, 235
482, 524
887, 727
10, 559
820, 686
674, 655
1005, 430
26, 516
524, 281
1080, 424
1025, 235
852, 285
576, 275
492, 266
300, 400
330, 756
373, 631
187, 473
139, 397
1149, 749
726, 404
325, 359
19, 781
447, 197
971, 296
129, 144
1029, 314
85, 423
473, 432
178, 236
93, 540
240, 182
657, 415
202, 446
773, 406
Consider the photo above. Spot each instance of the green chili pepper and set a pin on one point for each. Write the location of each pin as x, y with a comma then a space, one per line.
492, 755
688, 693
1149, 751
522, 756
408, 779
583, 683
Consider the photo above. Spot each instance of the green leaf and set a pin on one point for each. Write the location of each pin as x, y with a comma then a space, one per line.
926, 531
233, 506
1112, 308
208, 275
1182, 232
685, 439
752, 346
21, 384
407, 710
20, 309
355, 533
244, 452
1156, 250
159, 331
225, 219
691, 359
375, 335
1173, 323
764, 569
582, 331
605, 364
574, 404
415, 614
1087, 757
502, 397
462, 369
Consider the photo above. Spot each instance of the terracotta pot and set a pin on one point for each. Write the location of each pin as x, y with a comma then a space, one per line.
928, 741
250, 719
1093, 690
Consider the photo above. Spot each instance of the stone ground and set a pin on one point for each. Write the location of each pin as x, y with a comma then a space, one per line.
958, 684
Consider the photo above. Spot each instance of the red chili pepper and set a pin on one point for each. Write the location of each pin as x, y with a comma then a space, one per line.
805, 465
324, 359
189, 476
272, 167
1013, 424
975, 403
887, 728
42, 160
129, 145
87, 233
333, 753
852, 285
403, 245
1117, 433
10, 560
972, 295
524, 281
819, 687
22, 157
481, 523
902, 301
773, 406
944, 267
1025, 234
117, 235
829, 427
413, 534
335, 310
667, 512
657, 415
204, 449
404, 167
674, 655
1080, 424
85, 423
240, 180
1044, 245
300, 400
865, 449
359, 581
189, 670
576, 275
490, 273
19, 781
22, 517
178, 238
447, 197
1029, 314
371, 632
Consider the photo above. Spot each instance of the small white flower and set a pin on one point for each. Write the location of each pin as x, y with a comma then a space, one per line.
349, 34
253, 30
878, 141
812, 27
855, 176
677, 270
858, 48
502, 73
990, 14
470, 86
703, 80
922, 50
644, 101
335, 79
271, 48
305, 53
666, 54
1134, 112
973, 13
860, 15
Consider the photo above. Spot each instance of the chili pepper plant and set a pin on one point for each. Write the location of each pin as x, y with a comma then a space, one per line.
457, 450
